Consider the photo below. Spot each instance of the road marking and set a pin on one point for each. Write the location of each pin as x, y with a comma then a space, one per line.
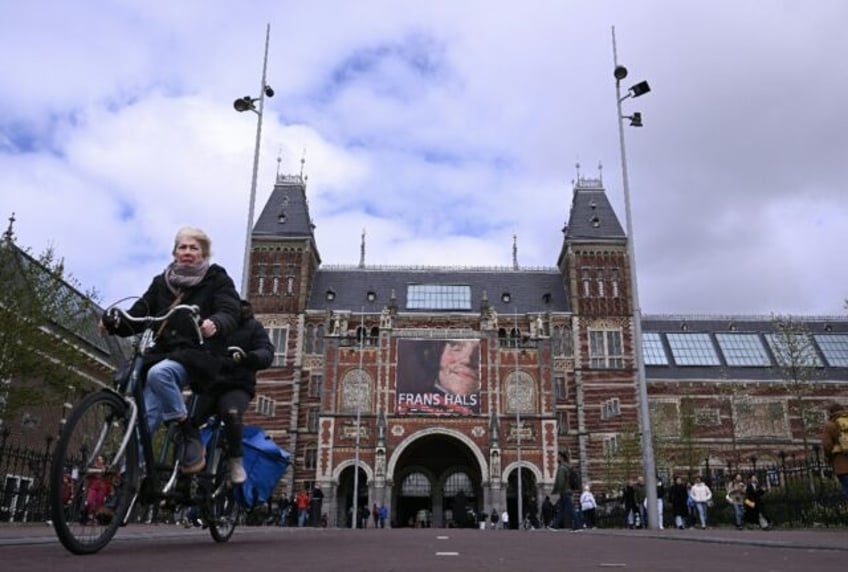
613, 565
442, 537
447, 553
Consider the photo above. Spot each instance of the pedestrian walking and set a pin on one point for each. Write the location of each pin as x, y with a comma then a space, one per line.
588, 506
702, 496
736, 498
679, 497
565, 483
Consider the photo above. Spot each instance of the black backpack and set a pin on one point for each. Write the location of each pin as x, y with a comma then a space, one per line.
573, 480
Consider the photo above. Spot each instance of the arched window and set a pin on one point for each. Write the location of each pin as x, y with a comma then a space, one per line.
415, 485
310, 332
310, 456
319, 339
556, 340
457, 482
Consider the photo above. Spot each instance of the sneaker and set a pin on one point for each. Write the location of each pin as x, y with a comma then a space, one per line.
237, 474
193, 457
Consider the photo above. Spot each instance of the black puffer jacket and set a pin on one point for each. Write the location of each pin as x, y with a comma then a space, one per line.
251, 337
218, 301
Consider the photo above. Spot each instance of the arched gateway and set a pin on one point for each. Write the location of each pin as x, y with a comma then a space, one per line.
436, 477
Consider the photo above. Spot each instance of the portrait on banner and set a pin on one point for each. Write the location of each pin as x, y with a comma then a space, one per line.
439, 377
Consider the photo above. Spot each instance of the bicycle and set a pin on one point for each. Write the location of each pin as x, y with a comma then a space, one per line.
104, 436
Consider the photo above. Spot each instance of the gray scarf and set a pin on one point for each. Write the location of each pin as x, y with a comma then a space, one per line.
181, 276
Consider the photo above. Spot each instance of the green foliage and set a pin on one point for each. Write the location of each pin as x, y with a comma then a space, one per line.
630, 452
44, 320
691, 453
797, 361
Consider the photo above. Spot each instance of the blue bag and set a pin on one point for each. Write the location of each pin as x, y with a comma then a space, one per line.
265, 463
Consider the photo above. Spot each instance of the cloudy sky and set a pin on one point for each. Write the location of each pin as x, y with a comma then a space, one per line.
442, 128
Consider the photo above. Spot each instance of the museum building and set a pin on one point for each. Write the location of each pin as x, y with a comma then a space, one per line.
420, 385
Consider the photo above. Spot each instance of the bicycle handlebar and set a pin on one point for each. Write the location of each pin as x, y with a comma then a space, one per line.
193, 310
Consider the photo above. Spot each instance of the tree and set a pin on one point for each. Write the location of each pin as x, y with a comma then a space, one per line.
691, 452
630, 451
736, 399
797, 361
46, 322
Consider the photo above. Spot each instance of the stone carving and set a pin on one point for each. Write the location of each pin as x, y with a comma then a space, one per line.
520, 393
356, 391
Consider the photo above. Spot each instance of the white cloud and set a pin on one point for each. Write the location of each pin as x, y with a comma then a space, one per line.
441, 127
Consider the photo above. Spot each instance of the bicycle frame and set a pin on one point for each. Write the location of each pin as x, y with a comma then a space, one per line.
130, 388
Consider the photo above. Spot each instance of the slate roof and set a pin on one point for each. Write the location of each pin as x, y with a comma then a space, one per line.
288, 204
592, 217
527, 287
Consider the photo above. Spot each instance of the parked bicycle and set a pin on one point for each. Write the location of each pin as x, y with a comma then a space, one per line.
97, 459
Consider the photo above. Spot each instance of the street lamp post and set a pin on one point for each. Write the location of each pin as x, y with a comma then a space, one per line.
355, 520
248, 103
520, 497
641, 88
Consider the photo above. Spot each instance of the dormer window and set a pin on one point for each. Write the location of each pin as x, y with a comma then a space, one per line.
596, 222
506, 297
331, 295
371, 296
281, 218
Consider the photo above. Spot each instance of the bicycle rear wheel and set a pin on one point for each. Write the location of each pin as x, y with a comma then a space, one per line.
222, 507
90, 487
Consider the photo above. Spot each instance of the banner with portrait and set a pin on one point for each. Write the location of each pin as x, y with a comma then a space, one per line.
438, 377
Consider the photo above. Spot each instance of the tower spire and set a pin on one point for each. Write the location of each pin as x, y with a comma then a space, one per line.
362, 250
514, 251
9, 235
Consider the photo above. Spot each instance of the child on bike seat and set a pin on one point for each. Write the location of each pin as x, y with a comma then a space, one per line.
231, 391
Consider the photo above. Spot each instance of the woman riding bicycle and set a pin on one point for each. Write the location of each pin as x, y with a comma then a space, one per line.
176, 357
230, 393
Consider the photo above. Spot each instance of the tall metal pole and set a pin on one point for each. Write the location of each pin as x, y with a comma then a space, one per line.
245, 277
642, 385
355, 518
518, 424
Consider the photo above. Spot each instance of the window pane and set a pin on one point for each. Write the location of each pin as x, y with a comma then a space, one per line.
793, 349
835, 348
692, 349
743, 349
438, 297
653, 352
458, 482
415, 485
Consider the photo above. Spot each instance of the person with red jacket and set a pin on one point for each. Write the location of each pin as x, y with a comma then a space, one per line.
301, 501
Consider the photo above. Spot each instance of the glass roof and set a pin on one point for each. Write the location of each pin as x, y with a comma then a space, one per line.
692, 349
793, 349
653, 352
438, 297
743, 349
834, 347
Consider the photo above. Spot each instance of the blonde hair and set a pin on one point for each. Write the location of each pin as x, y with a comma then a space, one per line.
196, 234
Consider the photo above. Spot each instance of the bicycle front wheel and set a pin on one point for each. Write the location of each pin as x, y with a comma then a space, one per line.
90, 485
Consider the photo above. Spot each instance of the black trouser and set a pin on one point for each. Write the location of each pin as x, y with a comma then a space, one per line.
229, 406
